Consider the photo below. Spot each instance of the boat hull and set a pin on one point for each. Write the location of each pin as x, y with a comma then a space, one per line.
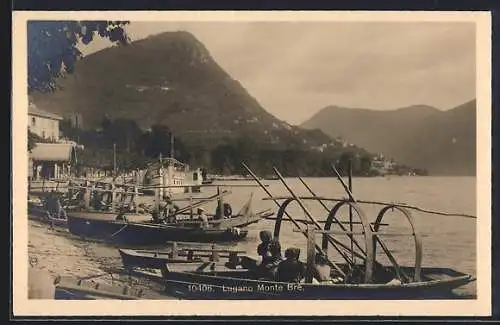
145, 234
73, 289
131, 259
186, 285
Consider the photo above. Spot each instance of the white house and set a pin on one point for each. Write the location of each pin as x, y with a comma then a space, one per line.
42, 123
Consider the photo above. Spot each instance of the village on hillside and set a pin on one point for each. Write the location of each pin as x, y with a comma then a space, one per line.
54, 156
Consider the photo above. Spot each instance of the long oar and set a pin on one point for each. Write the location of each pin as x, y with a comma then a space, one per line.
290, 217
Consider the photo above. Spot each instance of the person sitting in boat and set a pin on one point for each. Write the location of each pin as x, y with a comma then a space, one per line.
60, 211
50, 204
121, 214
132, 207
159, 215
141, 208
228, 211
322, 272
263, 248
96, 202
202, 216
267, 269
291, 269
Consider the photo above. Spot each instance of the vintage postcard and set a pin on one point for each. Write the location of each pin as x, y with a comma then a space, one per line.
251, 163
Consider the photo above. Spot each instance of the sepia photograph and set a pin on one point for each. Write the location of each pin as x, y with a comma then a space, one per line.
302, 162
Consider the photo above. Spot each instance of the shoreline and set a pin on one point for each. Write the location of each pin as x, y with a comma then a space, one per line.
56, 253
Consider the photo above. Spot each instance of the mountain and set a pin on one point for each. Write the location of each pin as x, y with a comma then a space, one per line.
168, 79
442, 142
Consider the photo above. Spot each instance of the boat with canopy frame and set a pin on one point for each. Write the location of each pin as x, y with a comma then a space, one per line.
366, 278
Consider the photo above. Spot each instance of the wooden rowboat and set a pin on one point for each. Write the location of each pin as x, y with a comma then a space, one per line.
69, 288
435, 283
38, 211
146, 233
105, 226
155, 259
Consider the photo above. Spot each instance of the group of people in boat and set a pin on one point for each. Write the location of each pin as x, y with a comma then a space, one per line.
168, 210
273, 267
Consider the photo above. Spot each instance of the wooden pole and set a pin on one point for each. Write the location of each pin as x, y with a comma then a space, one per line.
171, 145
349, 173
311, 253
113, 197
190, 207
114, 159
175, 251
220, 205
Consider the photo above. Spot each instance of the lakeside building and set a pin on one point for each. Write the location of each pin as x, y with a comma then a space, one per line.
55, 157
43, 124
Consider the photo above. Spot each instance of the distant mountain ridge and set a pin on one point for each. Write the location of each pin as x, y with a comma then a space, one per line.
421, 136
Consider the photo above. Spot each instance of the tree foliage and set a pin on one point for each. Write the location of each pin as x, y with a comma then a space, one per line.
53, 51
32, 140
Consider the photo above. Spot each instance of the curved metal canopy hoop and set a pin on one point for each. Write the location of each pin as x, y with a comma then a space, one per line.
416, 235
279, 216
367, 231
329, 220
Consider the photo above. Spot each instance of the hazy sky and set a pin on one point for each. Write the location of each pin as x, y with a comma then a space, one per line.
296, 68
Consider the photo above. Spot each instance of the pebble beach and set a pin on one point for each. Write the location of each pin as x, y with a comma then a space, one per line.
56, 253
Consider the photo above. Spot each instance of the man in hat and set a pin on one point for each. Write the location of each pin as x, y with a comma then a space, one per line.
203, 217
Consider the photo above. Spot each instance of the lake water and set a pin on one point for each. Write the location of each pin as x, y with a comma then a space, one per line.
448, 241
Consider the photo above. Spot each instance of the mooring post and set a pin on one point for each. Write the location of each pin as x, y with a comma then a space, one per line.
86, 197
157, 200
113, 196
190, 207
175, 252
311, 253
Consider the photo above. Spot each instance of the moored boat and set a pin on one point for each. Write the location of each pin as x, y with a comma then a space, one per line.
155, 259
144, 233
70, 288
48, 210
156, 227
243, 284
